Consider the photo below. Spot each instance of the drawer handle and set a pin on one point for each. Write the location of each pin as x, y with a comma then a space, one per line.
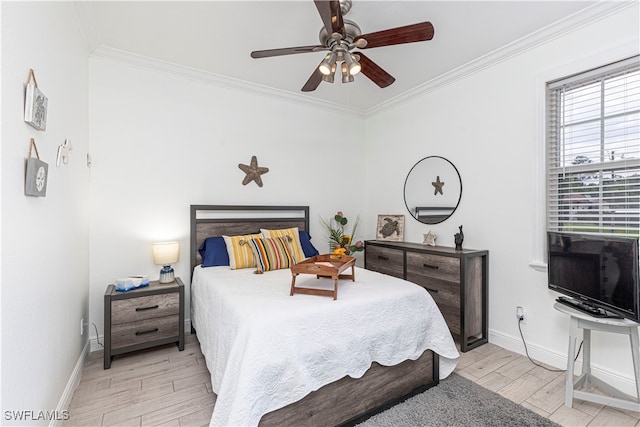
432, 267
386, 258
151, 307
148, 331
435, 291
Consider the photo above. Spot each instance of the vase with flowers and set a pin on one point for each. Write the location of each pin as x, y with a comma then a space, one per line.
339, 241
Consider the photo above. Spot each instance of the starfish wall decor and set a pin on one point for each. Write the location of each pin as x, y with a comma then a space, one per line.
253, 172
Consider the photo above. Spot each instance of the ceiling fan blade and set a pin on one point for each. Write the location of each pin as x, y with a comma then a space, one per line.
286, 51
313, 82
374, 72
400, 35
331, 15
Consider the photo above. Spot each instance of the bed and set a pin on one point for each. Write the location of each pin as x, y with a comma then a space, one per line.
301, 360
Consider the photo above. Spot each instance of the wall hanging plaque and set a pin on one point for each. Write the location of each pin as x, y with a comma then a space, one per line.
35, 183
253, 172
35, 104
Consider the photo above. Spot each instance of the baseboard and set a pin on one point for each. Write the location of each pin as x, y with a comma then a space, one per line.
72, 384
557, 360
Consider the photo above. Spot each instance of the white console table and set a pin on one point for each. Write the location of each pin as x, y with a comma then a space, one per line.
615, 398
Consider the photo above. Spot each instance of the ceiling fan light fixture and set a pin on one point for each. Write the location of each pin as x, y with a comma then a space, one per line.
346, 76
328, 64
354, 66
329, 77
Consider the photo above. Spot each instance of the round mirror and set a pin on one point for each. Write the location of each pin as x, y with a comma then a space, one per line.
432, 190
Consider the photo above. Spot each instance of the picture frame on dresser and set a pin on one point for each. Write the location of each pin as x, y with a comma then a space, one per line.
390, 227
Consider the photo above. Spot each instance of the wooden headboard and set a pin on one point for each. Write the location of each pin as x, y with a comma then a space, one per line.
230, 220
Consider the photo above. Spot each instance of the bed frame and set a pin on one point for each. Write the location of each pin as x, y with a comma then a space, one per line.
347, 401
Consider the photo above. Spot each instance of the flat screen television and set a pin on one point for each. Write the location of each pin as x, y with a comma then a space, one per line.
599, 273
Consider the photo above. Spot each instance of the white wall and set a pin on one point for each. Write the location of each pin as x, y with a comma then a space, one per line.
162, 142
45, 241
489, 125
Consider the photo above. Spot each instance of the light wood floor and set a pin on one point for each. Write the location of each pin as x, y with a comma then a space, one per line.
166, 387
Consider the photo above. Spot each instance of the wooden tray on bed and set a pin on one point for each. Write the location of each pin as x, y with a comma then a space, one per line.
328, 265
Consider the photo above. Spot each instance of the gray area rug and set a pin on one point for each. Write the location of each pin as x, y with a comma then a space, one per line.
457, 401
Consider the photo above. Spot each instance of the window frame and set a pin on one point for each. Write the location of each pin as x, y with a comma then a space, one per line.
538, 259
582, 194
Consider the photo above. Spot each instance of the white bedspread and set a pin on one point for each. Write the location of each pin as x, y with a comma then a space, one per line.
266, 349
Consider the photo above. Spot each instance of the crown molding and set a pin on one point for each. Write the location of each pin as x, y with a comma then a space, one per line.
87, 25
177, 70
573, 22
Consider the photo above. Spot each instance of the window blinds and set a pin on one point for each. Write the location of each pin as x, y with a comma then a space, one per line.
593, 151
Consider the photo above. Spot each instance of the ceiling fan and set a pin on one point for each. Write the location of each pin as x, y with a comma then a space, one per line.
340, 36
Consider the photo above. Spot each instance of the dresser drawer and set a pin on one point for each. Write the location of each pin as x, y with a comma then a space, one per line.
451, 316
449, 304
433, 266
127, 334
444, 293
385, 260
145, 307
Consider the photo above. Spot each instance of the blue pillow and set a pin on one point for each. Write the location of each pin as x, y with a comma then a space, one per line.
307, 247
214, 252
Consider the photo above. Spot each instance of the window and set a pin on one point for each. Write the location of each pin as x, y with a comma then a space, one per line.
593, 151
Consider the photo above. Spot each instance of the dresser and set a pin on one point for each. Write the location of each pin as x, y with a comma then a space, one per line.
457, 281
144, 317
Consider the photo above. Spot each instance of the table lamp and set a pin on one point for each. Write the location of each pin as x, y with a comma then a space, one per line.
165, 254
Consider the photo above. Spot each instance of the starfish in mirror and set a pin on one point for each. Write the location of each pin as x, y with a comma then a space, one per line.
438, 186
253, 172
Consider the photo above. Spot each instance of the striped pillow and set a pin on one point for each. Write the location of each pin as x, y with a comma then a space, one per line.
240, 255
271, 254
294, 243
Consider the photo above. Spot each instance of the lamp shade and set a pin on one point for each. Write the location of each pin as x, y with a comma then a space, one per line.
166, 253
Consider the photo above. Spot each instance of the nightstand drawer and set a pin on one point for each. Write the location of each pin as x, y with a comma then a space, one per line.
126, 334
434, 266
385, 260
146, 307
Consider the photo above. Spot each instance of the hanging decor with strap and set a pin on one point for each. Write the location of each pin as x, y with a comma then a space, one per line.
35, 183
35, 104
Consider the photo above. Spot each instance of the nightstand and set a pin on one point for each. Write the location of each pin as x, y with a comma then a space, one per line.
142, 318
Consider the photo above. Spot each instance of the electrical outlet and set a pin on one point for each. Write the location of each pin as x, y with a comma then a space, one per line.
81, 326
520, 313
